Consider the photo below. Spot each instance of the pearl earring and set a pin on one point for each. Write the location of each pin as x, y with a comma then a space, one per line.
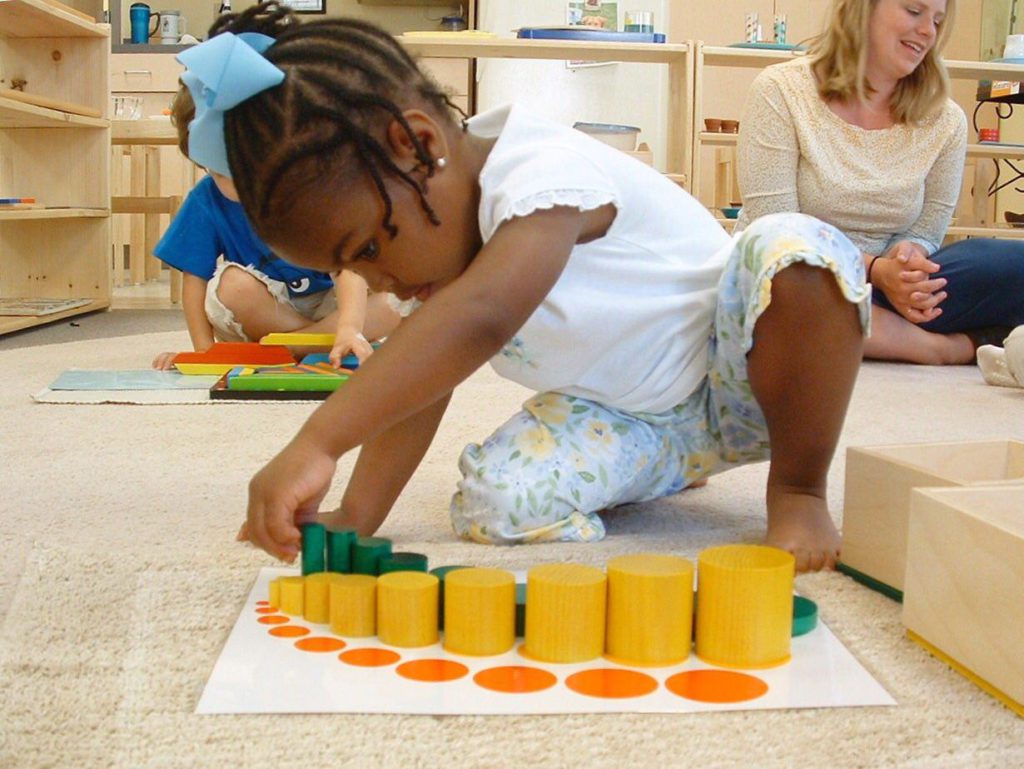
441, 162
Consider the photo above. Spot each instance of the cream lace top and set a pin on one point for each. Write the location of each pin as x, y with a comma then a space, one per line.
877, 186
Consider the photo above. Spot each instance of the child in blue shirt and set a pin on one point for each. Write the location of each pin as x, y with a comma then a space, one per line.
235, 289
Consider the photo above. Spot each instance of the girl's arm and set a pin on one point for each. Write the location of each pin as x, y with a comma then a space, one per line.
455, 332
350, 290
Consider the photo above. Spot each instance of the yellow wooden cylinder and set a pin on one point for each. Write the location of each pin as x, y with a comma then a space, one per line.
479, 611
650, 609
274, 599
293, 594
353, 605
744, 606
317, 606
407, 608
565, 612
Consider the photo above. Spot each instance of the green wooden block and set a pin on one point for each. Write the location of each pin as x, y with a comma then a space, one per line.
313, 547
805, 615
402, 562
339, 549
367, 552
440, 573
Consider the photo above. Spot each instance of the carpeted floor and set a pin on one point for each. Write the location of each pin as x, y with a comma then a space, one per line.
121, 579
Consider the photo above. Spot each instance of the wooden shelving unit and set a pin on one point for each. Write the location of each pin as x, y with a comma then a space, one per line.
56, 155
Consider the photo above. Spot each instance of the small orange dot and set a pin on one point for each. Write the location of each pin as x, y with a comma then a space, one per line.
320, 644
263, 603
369, 658
515, 679
273, 619
611, 683
432, 671
265, 610
289, 631
716, 686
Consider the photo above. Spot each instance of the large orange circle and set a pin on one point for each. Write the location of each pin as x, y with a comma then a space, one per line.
289, 631
611, 683
369, 658
432, 671
515, 679
320, 644
716, 686
272, 619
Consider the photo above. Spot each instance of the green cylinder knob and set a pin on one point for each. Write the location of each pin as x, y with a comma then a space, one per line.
339, 550
367, 552
313, 544
402, 562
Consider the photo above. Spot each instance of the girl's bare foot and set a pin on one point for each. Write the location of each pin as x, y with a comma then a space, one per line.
799, 522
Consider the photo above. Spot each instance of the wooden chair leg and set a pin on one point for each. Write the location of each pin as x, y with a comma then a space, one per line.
176, 276
137, 244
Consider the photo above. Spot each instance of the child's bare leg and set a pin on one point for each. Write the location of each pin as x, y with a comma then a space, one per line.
255, 308
896, 338
802, 368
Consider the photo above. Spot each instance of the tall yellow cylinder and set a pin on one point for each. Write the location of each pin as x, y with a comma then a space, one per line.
407, 608
292, 593
479, 611
353, 599
650, 609
744, 606
317, 599
275, 594
565, 612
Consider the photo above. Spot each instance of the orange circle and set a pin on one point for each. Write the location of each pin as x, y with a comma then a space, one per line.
515, 679
272, 619
716, 686
265, 610
289, 631
611, 683
263, 603
320, 644
432, 671
369, 658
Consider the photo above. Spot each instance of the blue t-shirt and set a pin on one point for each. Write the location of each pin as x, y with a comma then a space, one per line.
208, 225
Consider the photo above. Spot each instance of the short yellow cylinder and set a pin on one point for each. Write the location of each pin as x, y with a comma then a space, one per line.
565, 612
274, 599
317, 599
744, 606
293, 593
650, 609
353, 605
479, 611
407, 608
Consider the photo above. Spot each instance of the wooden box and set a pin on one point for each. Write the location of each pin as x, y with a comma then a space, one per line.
879, 480
964, 590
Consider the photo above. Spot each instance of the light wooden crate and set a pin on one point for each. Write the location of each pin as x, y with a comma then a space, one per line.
879, 480
963, 598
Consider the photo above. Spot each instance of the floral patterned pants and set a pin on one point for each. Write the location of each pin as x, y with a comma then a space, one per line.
546, 473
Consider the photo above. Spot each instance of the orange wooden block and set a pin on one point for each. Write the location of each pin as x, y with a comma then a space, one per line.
226, 355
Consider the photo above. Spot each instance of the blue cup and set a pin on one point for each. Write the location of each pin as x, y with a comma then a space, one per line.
139, 15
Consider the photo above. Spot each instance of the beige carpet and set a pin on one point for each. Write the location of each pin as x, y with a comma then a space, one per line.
120, 581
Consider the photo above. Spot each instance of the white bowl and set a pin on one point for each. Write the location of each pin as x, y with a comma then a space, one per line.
621, 137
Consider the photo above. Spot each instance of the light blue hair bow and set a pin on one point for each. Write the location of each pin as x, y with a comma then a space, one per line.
221, 73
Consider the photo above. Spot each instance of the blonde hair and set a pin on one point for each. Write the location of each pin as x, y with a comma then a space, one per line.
839, 59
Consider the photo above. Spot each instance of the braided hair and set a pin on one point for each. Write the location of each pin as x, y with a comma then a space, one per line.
345, 81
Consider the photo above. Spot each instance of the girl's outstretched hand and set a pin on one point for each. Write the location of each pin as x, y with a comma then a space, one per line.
286, 492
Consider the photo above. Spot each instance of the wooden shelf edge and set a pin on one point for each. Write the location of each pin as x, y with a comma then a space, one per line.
22, 214
18, 114
10, 323
38, 18
514, 48
989, 231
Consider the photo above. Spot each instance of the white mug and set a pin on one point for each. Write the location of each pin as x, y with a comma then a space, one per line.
172, 26
1014, 47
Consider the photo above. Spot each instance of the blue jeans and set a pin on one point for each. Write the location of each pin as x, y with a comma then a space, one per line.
985, 285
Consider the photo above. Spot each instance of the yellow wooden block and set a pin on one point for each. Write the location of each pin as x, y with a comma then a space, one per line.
650, 609
274, 599
479, 611
317, 607
353, 605
293, 594
965, 569
744, 605
565, 612
299, 340
879, 480
407, 608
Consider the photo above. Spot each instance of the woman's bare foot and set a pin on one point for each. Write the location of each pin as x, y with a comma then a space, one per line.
799, 522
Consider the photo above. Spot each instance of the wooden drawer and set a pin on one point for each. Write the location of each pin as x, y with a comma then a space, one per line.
452, 74
144, 72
